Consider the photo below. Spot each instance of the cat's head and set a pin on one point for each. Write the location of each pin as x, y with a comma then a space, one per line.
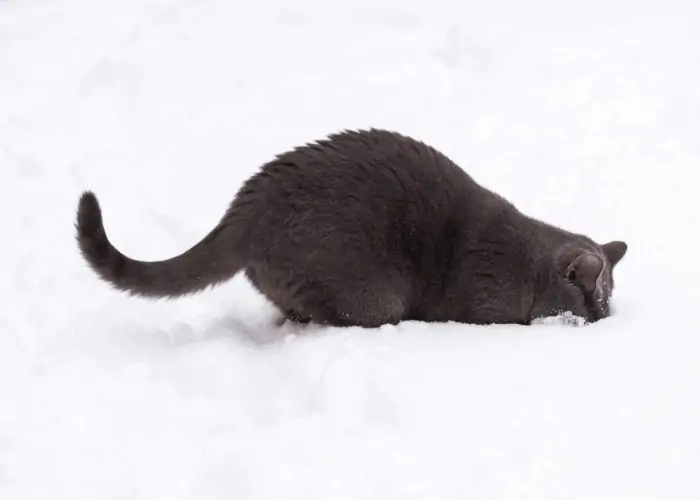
578, 279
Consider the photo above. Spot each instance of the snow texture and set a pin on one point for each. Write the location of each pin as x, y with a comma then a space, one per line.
585, 114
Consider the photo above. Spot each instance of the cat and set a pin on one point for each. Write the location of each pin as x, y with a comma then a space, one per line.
371, 227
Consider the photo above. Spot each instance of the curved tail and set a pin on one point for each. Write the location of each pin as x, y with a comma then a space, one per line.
215, 259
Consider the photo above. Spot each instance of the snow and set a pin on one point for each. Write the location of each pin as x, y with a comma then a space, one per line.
585, 116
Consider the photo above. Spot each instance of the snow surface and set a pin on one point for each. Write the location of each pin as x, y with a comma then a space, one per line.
586, 115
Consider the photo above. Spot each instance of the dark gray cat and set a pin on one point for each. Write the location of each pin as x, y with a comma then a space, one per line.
372, 227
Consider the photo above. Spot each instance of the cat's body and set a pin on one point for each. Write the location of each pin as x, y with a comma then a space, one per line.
372, 227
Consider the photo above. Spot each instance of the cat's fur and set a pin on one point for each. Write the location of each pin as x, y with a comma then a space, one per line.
372, 227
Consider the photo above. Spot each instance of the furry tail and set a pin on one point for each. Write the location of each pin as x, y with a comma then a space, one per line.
213, 260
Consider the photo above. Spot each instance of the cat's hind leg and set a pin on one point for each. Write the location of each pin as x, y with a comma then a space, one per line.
325, 298
365, 308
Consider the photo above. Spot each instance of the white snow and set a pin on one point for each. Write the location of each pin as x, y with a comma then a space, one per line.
585, 114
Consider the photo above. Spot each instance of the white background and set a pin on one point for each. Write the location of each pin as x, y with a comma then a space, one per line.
584, 114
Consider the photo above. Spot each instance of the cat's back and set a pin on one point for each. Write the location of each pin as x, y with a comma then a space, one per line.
365, 164
372, 189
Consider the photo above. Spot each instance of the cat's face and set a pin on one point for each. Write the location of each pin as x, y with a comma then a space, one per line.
579, 280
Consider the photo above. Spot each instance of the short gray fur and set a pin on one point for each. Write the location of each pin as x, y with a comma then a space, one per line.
372, 227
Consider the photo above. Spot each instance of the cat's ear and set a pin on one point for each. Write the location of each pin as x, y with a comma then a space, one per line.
584, 271
614, 251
